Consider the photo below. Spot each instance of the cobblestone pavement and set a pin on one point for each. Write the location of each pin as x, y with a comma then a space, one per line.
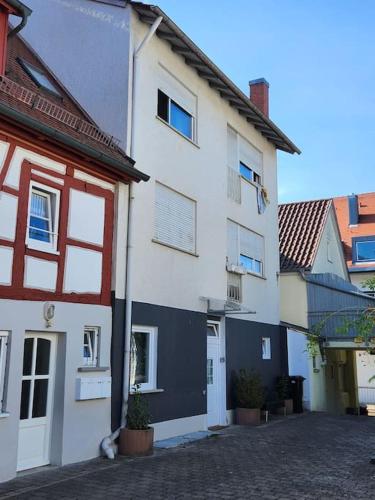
313, 456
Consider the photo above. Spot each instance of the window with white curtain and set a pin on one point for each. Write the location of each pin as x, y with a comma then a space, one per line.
266, 348
175, 219
43, 216
245, 248
143, 358
91, 346
4, 339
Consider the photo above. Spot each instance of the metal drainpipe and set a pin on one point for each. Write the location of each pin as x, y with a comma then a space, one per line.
107, 444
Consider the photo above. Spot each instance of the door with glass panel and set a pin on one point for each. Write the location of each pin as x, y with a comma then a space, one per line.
213, 382
36, 400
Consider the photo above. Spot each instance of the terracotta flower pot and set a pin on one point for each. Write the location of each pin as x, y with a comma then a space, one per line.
248, 416
136, 442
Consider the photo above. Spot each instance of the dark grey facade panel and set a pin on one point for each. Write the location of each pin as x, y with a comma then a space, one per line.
117, 359
244, 350
182, 357
182, 360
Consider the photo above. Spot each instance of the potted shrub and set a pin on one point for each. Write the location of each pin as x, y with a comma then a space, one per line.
284, 392
138, 437
249, 396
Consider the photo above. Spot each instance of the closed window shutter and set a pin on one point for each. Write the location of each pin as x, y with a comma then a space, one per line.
251, 244
251, 156
177, 92
232, 153
232, 243
175, 217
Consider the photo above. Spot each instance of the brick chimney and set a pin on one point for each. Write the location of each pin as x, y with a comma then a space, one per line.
259, 94
4, 14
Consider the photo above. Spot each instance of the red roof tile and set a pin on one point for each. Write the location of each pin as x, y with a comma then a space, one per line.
300, 228
365, 226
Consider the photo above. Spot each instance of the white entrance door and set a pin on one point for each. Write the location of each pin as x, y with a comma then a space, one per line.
213, 376
36, 400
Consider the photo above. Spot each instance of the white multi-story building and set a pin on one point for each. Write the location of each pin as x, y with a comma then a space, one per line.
203, 287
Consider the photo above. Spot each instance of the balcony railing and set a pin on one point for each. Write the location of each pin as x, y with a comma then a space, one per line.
60, 114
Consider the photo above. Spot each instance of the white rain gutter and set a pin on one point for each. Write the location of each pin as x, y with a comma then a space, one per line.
107, 444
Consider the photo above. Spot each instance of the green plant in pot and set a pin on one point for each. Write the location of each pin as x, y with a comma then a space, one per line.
284, 392
249, 396
137, 438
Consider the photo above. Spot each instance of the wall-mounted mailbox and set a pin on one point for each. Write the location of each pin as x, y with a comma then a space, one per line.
93, 388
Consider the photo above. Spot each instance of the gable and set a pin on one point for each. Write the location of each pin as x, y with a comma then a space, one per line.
329, 256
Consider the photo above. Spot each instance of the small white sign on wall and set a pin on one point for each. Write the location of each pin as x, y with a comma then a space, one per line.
93, 388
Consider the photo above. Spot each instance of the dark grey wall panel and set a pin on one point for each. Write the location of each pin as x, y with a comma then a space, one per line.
182, 354
117, 358
244, 350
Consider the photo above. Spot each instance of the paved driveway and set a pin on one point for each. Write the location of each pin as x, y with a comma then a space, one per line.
306, 457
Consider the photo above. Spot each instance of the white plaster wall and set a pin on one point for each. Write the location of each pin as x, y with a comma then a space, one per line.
8, 216
6, 265
86, 217
330, 256
365, 369
293, 292
84, 41
169, 277
96, 45
83, 270
85, 423
40, 274
300, 363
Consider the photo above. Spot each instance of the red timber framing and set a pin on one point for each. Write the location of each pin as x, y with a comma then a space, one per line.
29, 172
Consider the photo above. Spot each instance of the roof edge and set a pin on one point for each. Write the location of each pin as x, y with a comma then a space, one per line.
289, 146
125, 167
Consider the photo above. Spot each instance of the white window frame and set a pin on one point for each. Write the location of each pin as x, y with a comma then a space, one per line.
93, 359
4, 341
168, 122
266, 348
239, 253
49, 192
152, 331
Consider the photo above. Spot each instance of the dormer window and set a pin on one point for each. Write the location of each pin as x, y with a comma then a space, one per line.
39, 78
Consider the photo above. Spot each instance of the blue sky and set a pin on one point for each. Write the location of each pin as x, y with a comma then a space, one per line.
319, 59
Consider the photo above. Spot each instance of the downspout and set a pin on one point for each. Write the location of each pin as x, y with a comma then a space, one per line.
107, 444
25, 14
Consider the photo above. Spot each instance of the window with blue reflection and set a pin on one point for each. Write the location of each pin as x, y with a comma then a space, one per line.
250, 264
40, 217
181, 120
366, 250
246, 172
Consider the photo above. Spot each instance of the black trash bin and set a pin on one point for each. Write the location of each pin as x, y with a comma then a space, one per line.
296, 384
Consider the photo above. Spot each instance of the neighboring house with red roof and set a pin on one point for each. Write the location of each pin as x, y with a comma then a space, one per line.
314, 283
356, 218
61, 180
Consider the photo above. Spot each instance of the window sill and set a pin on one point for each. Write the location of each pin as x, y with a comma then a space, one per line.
174, 248
254, 184
147, 391
93, 369
261, 276
4, 414
43, 250
177, 131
